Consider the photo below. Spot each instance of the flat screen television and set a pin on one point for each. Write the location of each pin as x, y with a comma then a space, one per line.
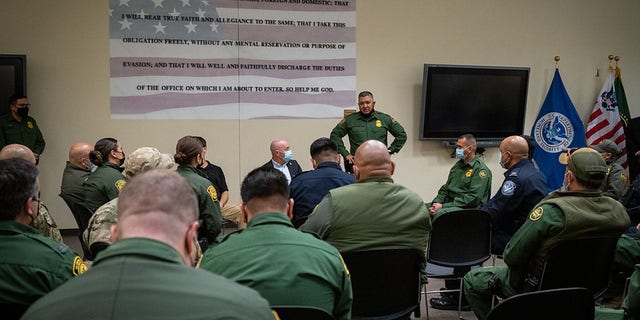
13, 72
488, 102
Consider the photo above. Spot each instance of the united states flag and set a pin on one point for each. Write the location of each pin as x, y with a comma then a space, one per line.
604, 122
230, 59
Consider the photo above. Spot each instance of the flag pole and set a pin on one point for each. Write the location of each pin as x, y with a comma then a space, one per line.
611, 57
556, 59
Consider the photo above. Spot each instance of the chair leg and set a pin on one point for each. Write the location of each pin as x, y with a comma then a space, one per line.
460, 300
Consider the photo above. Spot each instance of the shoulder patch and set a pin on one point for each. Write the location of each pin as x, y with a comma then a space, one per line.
212, 193
393, 120
119, 184
624, 177
536, 214
482, 174
469, 173
508, 188
78, 266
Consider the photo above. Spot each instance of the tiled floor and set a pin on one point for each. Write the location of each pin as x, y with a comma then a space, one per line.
71, 239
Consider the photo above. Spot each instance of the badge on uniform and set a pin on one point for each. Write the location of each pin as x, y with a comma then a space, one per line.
508, 188
624, 177
119, 184
212, 193
469, 173
378, 123
30, 125
482, 174
536, 214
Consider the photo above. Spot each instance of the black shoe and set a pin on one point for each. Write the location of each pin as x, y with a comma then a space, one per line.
448, 303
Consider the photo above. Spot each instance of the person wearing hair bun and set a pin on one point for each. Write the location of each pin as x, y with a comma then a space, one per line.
105, 183
188, 157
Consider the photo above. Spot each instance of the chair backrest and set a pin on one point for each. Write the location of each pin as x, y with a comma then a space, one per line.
301, 312
565, 303
460, 238
12, 311
584, 262
80, 213
386, 283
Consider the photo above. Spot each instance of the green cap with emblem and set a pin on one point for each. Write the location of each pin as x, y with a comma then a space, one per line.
607, 145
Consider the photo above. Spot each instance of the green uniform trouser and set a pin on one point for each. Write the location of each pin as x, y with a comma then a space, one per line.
627, 254
478, 290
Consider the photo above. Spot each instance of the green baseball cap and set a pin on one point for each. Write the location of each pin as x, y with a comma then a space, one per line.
607, 145
586, 163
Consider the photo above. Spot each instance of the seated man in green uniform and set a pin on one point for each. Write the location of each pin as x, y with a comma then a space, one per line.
17, 127
616, 183
366, 124
468, 184
577, 210
147, 273
286, 266
44, 222
373, 213
31, 265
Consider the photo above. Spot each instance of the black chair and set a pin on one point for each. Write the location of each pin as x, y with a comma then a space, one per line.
301, 312
82, 215
11, 311
584, 262
459, 240
386, 283
565, 303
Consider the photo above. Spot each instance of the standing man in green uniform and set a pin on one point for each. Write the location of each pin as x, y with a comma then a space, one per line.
31, 265
147, 273
469, 181
577, 210
17, 127
367, 124
617, 181
287, 267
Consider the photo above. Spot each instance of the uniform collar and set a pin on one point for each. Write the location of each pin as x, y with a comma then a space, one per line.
376, 178
516, 166
269, 218
141, 247
10, 226
374, 115
329, 164
471, 163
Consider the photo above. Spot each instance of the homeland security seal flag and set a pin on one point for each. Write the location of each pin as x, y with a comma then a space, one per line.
557, 128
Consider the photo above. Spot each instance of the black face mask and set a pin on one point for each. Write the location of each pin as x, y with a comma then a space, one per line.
23, 112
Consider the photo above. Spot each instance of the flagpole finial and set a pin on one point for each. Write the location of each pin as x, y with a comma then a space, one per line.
611, 57
617, 58
556, 59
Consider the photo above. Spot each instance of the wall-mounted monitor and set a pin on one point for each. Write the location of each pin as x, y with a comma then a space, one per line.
488, 102
13, 77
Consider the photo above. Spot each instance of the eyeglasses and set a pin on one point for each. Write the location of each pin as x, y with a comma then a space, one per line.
23, 105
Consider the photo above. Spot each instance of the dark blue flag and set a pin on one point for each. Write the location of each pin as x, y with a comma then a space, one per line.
558, 127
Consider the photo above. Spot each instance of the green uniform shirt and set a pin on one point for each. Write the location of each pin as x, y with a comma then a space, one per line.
210, 215
102, 185
468, 186
25, 132
139, 278
361, 128
71, 187
32, 265
616, 183
286, 266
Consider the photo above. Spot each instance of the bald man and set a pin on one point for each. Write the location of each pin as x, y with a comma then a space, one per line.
43, 222
282, 159
76, 172
524, 186
374, 212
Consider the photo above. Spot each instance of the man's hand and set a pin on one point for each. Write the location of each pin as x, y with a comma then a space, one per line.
434, 208
351, 158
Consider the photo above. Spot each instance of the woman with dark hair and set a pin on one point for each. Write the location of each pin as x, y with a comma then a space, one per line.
107, 180
189, 155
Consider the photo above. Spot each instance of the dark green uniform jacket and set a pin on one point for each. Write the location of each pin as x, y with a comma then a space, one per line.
73, 179
617, 181
32, 265
468, 186
103, 185
25, 132
286, 266
361, 128
139, 278
210, 214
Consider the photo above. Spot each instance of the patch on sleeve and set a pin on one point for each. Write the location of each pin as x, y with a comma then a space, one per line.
482, 174
624, 177
78, 266
508, 188
393, 120
344, 265
469, 173
536, 214
119, 184
212, 193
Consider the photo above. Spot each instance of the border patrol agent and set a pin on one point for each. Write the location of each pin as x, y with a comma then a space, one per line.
617, 181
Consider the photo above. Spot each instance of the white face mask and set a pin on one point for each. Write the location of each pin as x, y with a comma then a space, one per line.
460, 153
500, 161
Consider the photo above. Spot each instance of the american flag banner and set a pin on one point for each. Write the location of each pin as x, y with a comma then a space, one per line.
231, 59
604, 121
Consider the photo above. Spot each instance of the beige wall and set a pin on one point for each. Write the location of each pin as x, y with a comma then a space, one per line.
68, 76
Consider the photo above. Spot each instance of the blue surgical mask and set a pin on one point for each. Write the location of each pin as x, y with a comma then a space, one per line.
500, 161
460, 153
93, 167
288, 155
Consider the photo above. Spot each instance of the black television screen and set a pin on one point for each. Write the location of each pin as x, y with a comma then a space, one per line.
13, 71
488, 102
